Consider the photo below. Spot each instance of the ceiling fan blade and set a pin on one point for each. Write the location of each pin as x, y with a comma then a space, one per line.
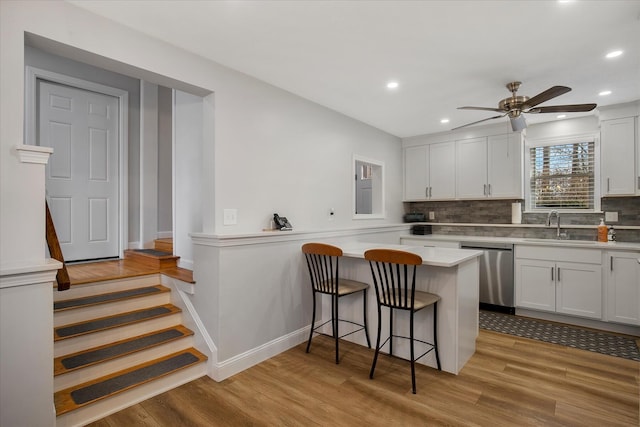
574, 108
546, 95
497, 110
479, 121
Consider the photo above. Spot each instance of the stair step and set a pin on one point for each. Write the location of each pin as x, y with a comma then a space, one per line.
152, 258
84, 394
108, 297
164, 244
82, 359
109, 322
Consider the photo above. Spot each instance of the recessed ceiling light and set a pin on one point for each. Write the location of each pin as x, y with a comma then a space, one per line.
605, 93
561, 116
444, 121
392, 85
613, 54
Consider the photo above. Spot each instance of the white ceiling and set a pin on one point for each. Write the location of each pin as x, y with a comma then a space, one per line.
444, 54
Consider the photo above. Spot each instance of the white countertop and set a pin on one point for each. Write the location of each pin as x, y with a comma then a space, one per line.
529, 241
439, 257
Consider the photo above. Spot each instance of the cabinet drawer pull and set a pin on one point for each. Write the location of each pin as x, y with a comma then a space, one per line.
639, 183
430, 192
608, 185
484, 191
426, 192
552, 268
489, 187
611, 263
558, 274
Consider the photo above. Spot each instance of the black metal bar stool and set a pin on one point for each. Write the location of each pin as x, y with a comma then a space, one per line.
322, 260
394, 277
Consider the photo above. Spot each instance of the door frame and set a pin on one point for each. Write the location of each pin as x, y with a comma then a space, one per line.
32, 74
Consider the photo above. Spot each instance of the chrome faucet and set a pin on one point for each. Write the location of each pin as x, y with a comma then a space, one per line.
557, 214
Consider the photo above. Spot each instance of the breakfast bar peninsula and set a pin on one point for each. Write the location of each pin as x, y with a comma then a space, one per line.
450, 273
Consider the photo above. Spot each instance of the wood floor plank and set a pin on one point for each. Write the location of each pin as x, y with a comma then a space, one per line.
509, 381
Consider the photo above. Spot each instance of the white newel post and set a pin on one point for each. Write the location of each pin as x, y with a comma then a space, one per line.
26, 306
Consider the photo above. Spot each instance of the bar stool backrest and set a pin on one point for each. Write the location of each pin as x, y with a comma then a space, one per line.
322, 260
394, 276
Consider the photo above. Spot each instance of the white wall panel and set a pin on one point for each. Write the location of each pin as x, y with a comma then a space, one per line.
60, 160
98, 219
98, 155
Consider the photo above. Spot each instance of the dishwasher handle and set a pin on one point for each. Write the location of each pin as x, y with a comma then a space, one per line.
484, 246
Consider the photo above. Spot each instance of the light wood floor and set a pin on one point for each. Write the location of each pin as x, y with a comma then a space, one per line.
510, 381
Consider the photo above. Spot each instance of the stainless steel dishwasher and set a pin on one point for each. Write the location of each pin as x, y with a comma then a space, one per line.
496, 275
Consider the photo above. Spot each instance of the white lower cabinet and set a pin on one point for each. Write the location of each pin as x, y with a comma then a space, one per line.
566, 281
623, 287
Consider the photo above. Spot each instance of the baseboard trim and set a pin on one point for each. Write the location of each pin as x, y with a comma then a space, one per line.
239, 363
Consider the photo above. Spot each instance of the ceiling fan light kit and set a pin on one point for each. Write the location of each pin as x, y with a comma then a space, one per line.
515, 105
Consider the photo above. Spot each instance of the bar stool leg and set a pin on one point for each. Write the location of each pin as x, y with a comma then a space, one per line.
375, 356
413, 361
390, 331
335, 325
435, 333
313, 322
364, 313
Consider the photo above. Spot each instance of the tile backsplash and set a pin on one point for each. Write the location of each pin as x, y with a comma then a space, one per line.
499, 212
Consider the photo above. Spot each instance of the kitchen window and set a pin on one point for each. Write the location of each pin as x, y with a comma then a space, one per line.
563, 175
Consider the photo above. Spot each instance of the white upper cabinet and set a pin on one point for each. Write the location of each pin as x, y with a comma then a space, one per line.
416, 173
505, 166
471, 168
489, 167
442, 171
618, 157
429, 172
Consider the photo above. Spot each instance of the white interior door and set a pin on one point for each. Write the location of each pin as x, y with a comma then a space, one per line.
82, 174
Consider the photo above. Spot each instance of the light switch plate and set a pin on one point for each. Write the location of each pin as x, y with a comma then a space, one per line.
230, 217
611, 216
432, 215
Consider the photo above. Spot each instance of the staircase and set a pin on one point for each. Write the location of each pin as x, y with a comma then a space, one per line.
118, 342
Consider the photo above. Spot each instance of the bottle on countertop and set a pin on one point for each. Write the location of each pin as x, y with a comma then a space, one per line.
603, 232
611, 237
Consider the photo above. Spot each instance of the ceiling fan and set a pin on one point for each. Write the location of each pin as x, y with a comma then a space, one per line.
515, 105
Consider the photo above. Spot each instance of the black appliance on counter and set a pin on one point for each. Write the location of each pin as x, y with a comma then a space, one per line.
420, 229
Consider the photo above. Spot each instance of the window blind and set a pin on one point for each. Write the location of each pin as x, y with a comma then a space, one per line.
563, 176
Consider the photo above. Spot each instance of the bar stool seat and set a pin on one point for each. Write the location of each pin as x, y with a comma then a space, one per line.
323, 264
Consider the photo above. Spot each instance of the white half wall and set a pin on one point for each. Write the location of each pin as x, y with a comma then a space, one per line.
253, 294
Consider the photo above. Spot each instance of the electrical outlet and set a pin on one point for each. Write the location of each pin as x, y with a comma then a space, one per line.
230, 217
432, 216
611, 216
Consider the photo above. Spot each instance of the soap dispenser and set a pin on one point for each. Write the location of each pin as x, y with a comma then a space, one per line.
602, 231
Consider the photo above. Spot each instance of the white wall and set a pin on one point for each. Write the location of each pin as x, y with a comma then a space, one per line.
188, 163
165, 132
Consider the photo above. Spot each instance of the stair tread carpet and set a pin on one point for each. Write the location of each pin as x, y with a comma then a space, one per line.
83, 394
153, 253
109, 322
82, 359
108, 297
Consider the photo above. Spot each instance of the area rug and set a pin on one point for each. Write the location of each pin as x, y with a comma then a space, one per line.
576, 337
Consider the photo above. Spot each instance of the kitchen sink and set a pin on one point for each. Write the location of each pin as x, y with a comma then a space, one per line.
565, 242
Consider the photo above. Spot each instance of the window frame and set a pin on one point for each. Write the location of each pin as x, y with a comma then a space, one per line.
572, 139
